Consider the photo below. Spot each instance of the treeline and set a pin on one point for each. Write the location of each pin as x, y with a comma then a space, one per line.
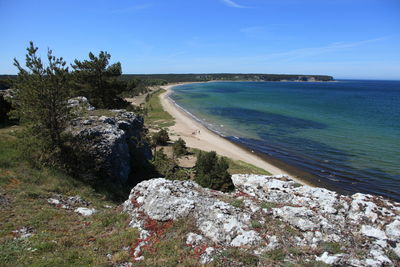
137, 83
173, 78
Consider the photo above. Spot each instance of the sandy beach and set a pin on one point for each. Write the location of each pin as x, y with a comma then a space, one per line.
198, 136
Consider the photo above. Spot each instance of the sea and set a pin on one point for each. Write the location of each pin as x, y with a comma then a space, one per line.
344, 135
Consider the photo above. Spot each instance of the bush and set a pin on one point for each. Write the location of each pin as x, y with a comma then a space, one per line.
5, 108
163, 164
211, 172
179, 148
160, 138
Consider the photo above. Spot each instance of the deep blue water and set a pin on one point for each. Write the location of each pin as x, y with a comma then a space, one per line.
345, 133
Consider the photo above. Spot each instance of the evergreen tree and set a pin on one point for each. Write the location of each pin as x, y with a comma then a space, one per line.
179, 148
97, 80
160, 138
41, 104
211, 172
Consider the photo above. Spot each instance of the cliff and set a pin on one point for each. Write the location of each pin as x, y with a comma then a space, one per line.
105, 142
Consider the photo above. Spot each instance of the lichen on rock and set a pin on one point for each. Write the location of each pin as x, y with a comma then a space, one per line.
357, 230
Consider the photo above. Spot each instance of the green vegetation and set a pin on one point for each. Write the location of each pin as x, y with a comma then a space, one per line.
5, 108
169, 246
135, 86
179, 148
173, 78
160, 138
156, 116
41, 106
237, 203
233, 256
97, 80
211, 172
241, 167
268, 205
60, 237
331, 247
236, 166
275, 254
256, 224
164, 165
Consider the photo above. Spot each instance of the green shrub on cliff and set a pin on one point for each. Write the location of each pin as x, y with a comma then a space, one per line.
211, 172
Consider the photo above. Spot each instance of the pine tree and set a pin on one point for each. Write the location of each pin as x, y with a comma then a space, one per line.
179, 147
41, 104
97, 80
211, 172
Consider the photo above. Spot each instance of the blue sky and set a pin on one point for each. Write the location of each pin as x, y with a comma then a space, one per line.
343, 38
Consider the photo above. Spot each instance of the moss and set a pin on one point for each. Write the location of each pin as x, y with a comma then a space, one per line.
256, 224
237, 203
233, 256
275, 254
268, 205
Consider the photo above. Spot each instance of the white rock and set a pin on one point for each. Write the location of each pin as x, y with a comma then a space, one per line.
245, 238
396, 249
334, 259
24, 232
361, 208
296, 216
53, 201
207, 256
273, 242
194, 239
380, 256
164, 200
374, 232
85, 211
393, 230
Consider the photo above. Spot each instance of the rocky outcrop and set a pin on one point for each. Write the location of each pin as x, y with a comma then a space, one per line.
80, 104
268, 213
104, 144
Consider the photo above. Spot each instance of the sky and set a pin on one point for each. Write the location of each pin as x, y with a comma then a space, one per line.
348, 39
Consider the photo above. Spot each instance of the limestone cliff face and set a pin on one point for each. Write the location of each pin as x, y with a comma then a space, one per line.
271, 212
105, 142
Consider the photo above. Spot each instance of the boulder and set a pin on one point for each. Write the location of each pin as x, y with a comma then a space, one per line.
104, 144
267, 213
165, 200
80, 104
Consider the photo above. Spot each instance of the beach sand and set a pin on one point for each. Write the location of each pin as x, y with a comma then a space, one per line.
198, 136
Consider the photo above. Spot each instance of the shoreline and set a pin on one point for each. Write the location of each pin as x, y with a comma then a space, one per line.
196, 135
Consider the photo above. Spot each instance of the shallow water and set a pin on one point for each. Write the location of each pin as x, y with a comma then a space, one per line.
346, 133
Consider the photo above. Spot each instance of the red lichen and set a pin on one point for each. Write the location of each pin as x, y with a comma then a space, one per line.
157, 231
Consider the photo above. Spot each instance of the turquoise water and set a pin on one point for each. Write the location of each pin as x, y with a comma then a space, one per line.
346, 133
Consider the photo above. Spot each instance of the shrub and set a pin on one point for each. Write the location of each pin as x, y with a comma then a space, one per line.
179, 148
160, 138
5, 108
211, 172
163, 164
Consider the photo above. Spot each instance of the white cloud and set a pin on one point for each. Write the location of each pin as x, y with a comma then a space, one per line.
233, 4
314, 51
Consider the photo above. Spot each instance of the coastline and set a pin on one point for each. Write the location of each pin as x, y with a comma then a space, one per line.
196, 135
